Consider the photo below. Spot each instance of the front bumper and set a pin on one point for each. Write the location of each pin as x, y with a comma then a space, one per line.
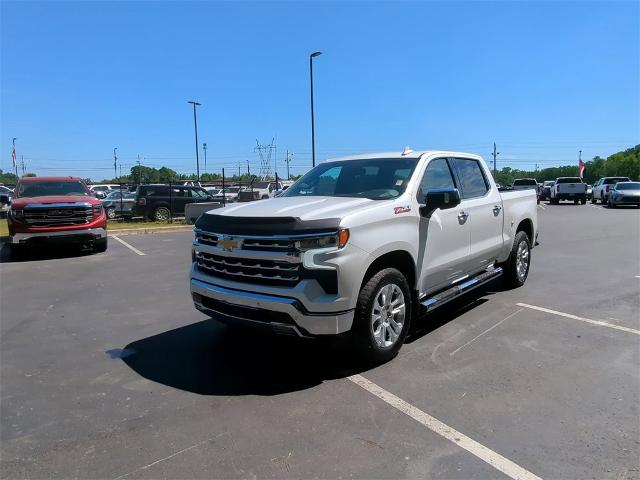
87, 233
284, 315
625, 201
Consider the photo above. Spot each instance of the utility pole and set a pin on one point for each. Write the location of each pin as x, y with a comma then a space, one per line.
313, 130
195, 126
495, 156
13, 156
115, 162
239, 174
139, 172
22, 164
288, 160
204, 147
248, 172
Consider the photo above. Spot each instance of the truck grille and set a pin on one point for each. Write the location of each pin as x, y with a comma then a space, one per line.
281, 245
259, 271
58, 216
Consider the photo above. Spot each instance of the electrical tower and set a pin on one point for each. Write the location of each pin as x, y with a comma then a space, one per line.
265, 152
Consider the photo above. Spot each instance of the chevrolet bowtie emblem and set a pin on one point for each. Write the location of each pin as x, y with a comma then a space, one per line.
228, 243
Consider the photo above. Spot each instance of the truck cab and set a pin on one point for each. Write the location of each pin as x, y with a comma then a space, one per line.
360, 244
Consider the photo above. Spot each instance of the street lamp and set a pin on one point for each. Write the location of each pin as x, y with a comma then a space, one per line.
195, 125
204, 147
313, 132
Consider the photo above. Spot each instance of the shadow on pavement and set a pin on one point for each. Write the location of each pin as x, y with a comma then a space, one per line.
43, 252
209, 358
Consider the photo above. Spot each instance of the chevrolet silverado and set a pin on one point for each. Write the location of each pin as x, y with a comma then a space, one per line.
361, 245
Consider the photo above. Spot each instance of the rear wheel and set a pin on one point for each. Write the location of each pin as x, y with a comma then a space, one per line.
583, 201
602, 199
383, 316
111, 213
162, 214
575, 202
100, 245
516, 268
594, 200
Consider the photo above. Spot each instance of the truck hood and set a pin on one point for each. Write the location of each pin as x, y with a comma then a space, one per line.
23, 201
304, 208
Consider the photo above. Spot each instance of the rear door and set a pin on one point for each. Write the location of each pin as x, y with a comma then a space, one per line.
444, 237
483, 205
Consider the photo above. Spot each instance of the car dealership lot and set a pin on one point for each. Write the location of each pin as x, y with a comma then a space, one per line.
109, 372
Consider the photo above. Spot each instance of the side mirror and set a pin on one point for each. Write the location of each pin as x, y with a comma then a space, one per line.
439, 199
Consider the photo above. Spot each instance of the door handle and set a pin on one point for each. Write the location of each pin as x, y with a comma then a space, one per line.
462, 217
496, 210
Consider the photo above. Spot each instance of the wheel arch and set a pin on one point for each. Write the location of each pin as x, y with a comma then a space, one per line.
526, 226
400, 260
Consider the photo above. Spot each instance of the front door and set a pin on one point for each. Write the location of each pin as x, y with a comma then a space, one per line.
445, 236
484, 206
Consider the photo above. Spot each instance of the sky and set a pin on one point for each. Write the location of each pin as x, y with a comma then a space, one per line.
542, 79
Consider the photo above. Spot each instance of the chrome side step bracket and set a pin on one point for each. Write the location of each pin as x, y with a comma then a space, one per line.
439, 299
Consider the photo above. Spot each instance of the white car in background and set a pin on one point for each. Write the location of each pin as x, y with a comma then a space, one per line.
601, 188
101, 191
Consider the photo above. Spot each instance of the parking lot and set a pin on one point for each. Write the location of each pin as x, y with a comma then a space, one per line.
107, 371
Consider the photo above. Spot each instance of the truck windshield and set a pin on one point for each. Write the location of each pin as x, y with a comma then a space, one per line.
44, 188
376, 178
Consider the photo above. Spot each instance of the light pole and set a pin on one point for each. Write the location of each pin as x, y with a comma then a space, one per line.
313, 131
195, 126
115, 162
204, 147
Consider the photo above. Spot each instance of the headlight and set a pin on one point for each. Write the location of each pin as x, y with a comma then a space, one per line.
97, 210
339, 240
16, 214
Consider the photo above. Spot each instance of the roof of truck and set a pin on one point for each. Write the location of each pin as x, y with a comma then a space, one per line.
407, 153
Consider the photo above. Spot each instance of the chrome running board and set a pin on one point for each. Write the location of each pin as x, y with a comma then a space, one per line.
439, 299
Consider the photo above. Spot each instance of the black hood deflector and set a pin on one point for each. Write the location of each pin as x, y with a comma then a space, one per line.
264, 225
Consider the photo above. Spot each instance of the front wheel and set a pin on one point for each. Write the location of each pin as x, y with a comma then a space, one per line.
516, 268
111, 213
100, 245
382, 316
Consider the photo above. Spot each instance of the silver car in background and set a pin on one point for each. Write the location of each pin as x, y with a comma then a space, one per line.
624, 193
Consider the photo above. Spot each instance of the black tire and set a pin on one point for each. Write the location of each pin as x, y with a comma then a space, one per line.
17, 251
602, 199
162, 214
610, 204
111, 213
362, 331
575, 202
511, 277
100, 245
583, 201
594, 200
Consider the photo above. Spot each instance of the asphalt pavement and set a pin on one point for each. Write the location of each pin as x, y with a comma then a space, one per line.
107, 371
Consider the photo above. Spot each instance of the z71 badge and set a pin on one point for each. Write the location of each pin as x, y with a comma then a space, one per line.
398, 210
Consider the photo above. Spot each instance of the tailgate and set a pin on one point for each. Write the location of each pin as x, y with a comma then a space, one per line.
572, 187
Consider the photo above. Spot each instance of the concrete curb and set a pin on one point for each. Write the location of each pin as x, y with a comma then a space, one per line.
149, 230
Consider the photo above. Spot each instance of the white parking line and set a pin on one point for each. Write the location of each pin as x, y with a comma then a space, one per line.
541, 206
130, 247
485, 454
486, 331
600, 323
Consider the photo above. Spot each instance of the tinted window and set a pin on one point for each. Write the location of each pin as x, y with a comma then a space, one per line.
570, 180
525, 181
612, 180
437, 175
628, 186
195, 193
159, 191
41, 189
473, 183
375, 178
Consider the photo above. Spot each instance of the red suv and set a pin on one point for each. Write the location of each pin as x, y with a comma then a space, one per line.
56, 209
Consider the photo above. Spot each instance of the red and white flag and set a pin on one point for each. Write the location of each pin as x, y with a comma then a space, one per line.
13, 156
580, 167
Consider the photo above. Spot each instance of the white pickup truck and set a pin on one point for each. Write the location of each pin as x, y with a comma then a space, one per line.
568, 188
361, 245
